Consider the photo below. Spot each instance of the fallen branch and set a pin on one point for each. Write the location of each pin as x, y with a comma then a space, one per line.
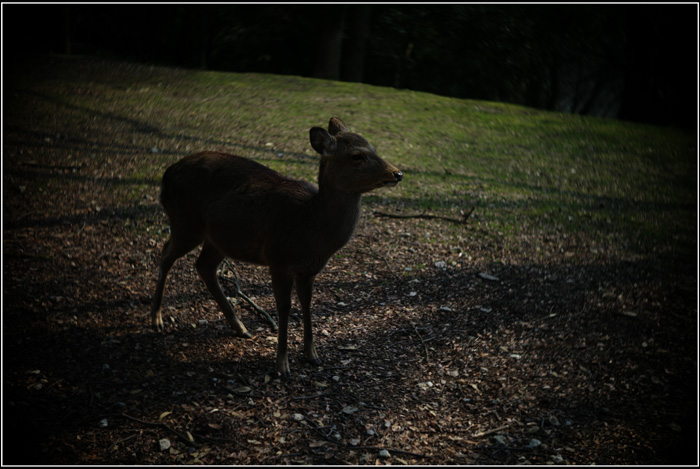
239, 292
463, 221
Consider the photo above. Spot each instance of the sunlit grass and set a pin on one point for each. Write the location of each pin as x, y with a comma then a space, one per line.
520, 168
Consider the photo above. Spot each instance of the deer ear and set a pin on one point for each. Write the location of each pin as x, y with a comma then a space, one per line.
336, 125
323, 142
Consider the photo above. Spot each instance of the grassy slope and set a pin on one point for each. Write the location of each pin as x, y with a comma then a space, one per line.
529, 174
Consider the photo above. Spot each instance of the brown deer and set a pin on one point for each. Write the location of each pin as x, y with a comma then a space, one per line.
241, 209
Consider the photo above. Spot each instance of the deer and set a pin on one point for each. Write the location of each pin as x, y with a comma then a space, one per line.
237, 208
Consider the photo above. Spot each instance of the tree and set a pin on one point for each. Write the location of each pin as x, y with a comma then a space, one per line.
330, 42
354, 50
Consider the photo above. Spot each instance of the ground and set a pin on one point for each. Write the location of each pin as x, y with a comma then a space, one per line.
441, 343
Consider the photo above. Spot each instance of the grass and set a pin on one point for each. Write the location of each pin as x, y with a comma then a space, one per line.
522, 169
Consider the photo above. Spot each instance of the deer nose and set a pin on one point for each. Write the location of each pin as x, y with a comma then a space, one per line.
398, 175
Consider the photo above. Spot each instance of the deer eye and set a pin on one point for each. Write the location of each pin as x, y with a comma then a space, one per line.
358, 157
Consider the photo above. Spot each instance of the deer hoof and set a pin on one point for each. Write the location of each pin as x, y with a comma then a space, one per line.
243, 334
283, 369
315, 361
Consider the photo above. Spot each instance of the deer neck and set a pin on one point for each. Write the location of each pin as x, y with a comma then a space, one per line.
338, 214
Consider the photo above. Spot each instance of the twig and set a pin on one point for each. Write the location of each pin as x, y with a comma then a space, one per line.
463, 221
215, 439
374, 254
391, 450
489, 432
425, 347
167, 427
123, 440
34, 164
284, 455
240, 293
321, 394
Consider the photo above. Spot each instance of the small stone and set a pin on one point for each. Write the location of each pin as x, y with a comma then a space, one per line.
297, 417
534, 443
500, 439
164, 444
384, 454
557, 459
425, 386
102, 423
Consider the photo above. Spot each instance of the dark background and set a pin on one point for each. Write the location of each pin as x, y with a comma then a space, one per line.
632, 62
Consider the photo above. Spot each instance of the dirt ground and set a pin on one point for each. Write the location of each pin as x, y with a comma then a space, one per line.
561, 362
441, 344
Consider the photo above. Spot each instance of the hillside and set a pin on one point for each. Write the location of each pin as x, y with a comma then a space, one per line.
559, 324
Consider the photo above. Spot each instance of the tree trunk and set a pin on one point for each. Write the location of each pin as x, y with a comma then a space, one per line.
66, 30
203, 51
330, 43
353, 66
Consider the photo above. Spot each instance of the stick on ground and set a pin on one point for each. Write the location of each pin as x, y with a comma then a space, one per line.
463, 221
258, 309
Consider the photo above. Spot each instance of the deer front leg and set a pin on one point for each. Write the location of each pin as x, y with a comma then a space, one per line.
305, 285
282, 287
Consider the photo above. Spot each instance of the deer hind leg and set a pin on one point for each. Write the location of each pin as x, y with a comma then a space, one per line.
174, 248
207, 263
305, 285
